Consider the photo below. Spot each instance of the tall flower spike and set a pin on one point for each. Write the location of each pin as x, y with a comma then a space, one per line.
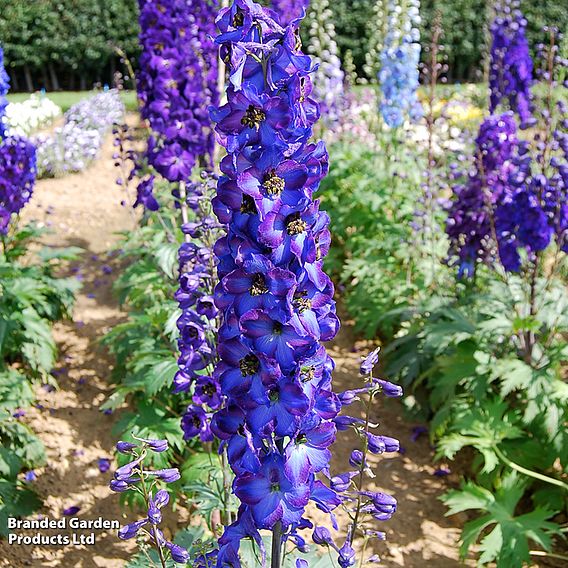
399, 74
511, 72
329, 78
377, 30
4, 87
17, 177
177, 82
276, 301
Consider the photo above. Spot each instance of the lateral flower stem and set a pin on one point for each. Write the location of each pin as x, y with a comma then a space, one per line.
529, 472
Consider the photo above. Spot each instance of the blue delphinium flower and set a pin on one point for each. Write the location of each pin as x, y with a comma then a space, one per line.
4, 88
511, 72
399, 73
276, 301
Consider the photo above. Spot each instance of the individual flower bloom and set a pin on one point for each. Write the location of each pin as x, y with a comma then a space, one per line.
309, 452
347, 556
145, 194
70, 511
379, 505
155, 504
207, 391
369, 362
168, 475
344, 422
342, 482
194, 422
125, 447
103, 464
272, 497
442, 472
30, 476
322, 536
380, 444
179, 554
119, 486
389, 389
126, 471
131, 530
277, 408
356, 458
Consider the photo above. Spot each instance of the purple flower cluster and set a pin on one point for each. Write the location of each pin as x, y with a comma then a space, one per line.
133, 476
17, 177
199, 320
471, 220
177, 82
515, 198
511, 73
289, 10
277, 422
4, 88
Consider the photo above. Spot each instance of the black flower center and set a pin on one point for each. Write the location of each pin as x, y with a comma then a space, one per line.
238, 19
196, 422
273, 184
253, 117
295, 225
248, 206
301, 439
307, 373
258, 285
249, 365
275, 487
277, 329
301, 302
209, 389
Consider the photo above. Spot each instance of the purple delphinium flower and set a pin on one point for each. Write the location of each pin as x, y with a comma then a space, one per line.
277, 420
176, 83
134, 475
70, 511
4, 88
511, 72
17, 177
103, 464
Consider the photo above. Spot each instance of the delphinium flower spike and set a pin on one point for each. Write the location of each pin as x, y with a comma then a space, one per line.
133, 476
4, 88
328, 79
17, 163
511, 66
399, 75
17, 177
199, 320
176, 83
276, 301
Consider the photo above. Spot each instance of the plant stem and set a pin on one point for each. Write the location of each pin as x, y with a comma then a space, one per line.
529, 472
547, 554
183, 206
276, 560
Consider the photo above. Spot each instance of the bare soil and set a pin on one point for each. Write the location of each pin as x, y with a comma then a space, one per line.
85, 210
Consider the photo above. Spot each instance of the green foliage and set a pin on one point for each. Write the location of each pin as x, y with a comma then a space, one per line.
31, 299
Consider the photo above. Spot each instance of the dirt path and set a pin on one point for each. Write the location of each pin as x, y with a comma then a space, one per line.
84, 210
81, 210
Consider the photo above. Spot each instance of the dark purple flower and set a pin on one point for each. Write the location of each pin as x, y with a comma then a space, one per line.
70, 511
104, 464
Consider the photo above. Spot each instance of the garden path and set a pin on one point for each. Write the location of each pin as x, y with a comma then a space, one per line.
84, 210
